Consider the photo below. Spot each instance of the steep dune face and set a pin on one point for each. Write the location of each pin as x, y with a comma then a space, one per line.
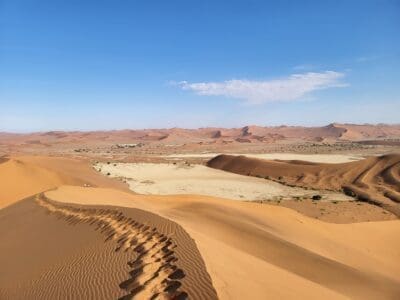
254, 251
375, 179
25, 176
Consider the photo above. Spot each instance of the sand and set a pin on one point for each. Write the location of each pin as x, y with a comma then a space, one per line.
170, 179
25, 176
315, 259
134, 254
236, 249
375, 179
43, 257
321, 158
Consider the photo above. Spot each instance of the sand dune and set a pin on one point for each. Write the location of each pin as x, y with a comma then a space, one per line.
225, 248
241, 240
25, 176
43, 257
135, 254
375, 179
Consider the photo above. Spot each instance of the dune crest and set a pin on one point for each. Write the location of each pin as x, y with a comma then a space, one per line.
375, 179
271, 244
154, 273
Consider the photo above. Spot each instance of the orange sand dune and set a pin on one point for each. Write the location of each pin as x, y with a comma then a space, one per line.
375, 179
254, 251
250, 250
25, 176
73, 252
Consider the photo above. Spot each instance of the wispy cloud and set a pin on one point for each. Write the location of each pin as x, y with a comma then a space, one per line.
290, 88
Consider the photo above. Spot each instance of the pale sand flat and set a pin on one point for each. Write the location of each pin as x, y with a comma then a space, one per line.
321, 158
170, 179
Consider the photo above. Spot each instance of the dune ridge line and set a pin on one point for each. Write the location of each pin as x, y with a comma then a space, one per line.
154, 274
375, 179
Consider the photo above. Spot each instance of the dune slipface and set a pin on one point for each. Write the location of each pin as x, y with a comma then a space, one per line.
375, 179
134, 254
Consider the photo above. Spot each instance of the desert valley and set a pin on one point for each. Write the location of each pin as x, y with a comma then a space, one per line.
247, 213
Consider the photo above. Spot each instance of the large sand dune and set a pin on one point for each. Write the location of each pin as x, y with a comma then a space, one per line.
134, 254
25, 176
254, 250
248, 250
375, 179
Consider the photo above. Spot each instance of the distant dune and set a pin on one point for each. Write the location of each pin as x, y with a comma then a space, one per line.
247, 134
375, 179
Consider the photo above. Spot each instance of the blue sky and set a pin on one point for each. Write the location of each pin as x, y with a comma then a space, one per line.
67, 65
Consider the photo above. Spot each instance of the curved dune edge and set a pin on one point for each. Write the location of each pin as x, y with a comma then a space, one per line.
167, 264
24, 176
375, 179
252, 250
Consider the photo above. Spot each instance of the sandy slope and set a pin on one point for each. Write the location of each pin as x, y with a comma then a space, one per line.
133, 254
374, 179
24, 176
283, 252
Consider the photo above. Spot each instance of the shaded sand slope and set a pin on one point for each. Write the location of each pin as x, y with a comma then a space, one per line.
255, 251
133, 254
45, 258
375, 179
24, 176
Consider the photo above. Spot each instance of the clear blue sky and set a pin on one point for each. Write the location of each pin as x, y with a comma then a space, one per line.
149, 64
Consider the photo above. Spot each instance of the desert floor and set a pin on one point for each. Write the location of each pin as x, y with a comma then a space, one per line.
322, 158
170, 179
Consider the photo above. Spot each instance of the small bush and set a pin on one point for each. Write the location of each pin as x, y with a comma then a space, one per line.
317, 197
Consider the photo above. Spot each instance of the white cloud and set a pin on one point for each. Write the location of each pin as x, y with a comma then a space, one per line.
256, 92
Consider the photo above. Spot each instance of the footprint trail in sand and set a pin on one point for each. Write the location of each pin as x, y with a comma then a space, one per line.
154, 274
